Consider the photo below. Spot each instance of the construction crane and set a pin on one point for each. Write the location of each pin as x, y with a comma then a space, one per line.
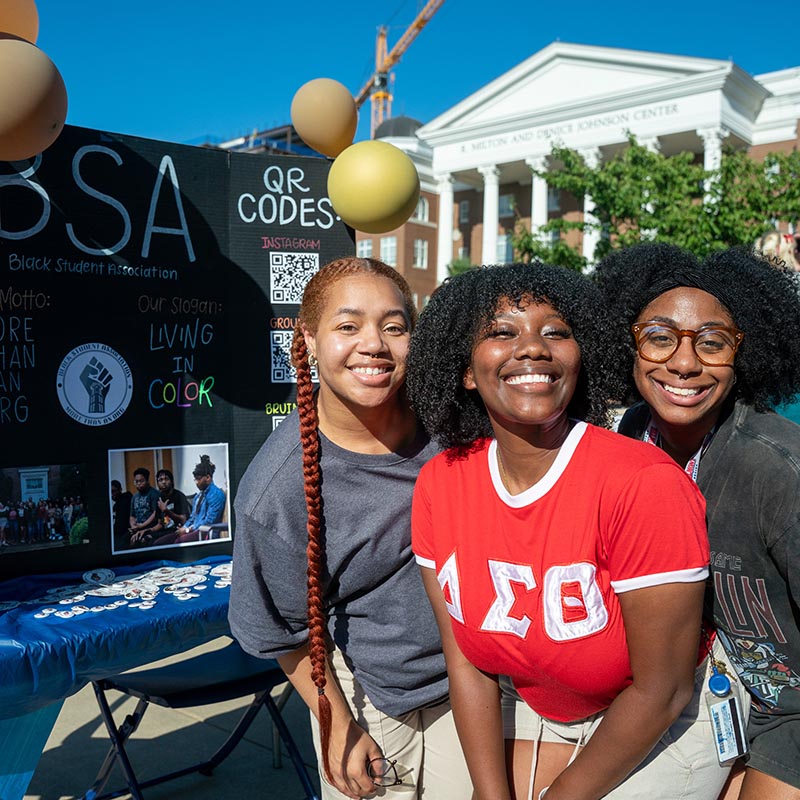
377, 89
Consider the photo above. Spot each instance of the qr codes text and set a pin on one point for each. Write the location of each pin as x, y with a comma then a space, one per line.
288, 275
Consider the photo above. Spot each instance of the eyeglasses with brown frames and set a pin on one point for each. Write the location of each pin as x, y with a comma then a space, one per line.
714, 345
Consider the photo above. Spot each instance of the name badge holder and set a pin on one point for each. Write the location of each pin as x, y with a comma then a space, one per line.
730, 740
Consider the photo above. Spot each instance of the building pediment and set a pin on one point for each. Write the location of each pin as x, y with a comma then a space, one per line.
563, 76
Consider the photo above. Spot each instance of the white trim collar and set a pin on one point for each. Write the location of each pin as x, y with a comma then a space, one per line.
546, 482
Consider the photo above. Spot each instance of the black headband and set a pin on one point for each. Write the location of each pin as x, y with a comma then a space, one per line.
705, 281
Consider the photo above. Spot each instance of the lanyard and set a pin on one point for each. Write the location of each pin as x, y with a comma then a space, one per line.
719, 684
652, 435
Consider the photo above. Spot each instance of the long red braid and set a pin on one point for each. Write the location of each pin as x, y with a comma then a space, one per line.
310, 312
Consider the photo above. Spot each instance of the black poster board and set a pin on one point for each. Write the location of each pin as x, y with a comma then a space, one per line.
148, 293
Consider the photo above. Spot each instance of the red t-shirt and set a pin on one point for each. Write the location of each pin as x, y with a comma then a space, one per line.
531, 580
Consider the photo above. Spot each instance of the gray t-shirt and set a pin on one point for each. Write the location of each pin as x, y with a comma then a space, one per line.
143, 504
750, 478
378, 613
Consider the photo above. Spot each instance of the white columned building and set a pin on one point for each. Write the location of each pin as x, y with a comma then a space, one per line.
538, 194
589, 99
444, 241
591, 235
491, 207
654, 146
652, 143
712, 139
712, 148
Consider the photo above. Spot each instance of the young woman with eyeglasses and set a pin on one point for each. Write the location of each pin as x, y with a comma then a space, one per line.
324, 578
568, 599
712, 347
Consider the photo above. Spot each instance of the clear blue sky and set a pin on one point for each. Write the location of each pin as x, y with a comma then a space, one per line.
194, 70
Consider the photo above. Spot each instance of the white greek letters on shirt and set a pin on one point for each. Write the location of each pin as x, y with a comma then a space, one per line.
497, 618
448, 581
573, 604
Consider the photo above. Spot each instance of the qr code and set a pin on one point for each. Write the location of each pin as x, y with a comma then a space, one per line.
288, 275
281, 368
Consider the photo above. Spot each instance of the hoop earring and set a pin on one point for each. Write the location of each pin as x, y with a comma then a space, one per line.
312, 360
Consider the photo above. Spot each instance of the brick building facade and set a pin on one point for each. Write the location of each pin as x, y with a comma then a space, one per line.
476, 159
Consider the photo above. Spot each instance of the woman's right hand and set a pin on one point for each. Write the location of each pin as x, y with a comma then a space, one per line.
351, 750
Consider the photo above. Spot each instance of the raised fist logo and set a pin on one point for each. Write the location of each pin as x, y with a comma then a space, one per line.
96, 379
84, 379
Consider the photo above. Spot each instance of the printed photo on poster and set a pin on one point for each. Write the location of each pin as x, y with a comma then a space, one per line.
175, 496
43, 507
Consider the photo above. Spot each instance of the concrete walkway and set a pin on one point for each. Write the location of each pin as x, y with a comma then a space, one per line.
169, 739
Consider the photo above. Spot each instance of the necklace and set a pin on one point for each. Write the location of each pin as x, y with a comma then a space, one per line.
503, 476
537, 476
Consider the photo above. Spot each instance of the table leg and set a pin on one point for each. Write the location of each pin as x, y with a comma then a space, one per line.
22, 740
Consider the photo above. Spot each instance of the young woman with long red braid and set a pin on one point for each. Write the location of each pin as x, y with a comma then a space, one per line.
324, 578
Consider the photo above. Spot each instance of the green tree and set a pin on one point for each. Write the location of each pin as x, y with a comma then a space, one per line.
529, 247
642, 195
79, 531
748, 197
459, 265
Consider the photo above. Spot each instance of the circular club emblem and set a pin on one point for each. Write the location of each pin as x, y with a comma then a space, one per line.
94, 384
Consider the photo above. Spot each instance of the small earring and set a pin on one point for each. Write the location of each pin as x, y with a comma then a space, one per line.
312, 360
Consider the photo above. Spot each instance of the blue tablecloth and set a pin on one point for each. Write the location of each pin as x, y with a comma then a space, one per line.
52, 643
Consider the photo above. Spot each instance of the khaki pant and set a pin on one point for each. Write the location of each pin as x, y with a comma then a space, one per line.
682, 766
425, 743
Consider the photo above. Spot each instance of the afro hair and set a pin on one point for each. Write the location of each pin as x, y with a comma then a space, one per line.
464, 306
762, 298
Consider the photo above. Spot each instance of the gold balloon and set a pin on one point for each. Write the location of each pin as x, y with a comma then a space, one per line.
373, 186
324, 114
19, 18
33, 100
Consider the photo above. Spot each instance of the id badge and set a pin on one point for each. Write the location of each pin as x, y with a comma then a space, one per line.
726, 722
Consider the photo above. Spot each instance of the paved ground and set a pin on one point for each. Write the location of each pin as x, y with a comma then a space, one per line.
169, 739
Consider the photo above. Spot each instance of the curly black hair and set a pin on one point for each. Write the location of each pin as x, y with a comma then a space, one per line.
761, 297
464, 306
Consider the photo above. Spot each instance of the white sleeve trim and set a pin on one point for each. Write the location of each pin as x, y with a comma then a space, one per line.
694, 575
425, 562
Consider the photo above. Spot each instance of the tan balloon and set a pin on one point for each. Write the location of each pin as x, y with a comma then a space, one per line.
19, 18
324, 114
373, 186
33, 100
